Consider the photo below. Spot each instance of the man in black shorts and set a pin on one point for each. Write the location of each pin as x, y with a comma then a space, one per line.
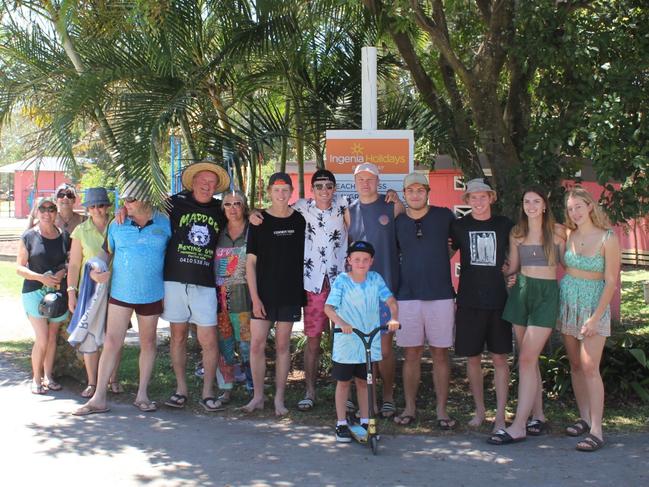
274, 266
483, 241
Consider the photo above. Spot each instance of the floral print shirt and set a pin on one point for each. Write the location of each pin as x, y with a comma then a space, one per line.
325, 241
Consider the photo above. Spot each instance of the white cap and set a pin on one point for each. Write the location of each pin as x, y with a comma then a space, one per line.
367, 166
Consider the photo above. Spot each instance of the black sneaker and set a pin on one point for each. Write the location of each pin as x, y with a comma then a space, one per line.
343, 435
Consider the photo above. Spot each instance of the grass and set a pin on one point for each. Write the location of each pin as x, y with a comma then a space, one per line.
622, 415
633, 308
10, 282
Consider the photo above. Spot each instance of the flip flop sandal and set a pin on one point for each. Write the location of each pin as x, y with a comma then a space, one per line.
89, 391
447, 424
536, 427
88, 410
306, 404
177, 401
405, 420
224, 399
211, 404
501, 437
115, 387
38, 389
146, 406
579, 428
590, 443
388, 410
52, 385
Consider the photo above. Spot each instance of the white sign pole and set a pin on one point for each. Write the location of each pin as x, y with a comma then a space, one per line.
368, 76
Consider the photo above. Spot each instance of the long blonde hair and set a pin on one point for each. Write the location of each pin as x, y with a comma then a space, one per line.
597, 215
522, 228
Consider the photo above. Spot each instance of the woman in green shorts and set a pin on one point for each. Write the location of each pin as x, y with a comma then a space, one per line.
536, 243
592, 262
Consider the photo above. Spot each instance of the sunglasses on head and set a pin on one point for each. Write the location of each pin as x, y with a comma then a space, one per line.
236, 204
47, 209
130, 199
419, 229
321, 186
66, 194
101, 205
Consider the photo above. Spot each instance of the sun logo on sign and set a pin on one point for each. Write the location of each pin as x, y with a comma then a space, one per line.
357, 149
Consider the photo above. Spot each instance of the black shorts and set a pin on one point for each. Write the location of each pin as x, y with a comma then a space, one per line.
281, 313
345, 372
475, 327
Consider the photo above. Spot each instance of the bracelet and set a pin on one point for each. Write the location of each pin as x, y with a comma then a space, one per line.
72, 288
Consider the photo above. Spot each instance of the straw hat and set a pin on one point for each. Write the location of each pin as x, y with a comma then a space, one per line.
223, 180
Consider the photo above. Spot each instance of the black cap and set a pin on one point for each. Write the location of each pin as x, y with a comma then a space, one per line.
360, 246
280, 178
322, 175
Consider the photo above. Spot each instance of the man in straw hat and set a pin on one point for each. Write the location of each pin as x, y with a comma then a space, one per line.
190, 295
483, 241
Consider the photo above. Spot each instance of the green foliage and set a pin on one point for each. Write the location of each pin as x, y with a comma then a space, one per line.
10, 282
633, 308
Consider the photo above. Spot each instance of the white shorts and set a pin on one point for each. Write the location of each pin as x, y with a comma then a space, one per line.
189, 303
422, 322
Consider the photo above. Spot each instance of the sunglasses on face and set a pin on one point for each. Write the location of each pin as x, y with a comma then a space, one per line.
102, 205
321, 186
419, 229
235, 204
130, 199
66, 194
47, 209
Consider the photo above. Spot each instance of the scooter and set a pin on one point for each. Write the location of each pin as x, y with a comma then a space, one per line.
360, 434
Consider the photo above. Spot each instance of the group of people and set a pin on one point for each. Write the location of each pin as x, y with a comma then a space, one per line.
351, 264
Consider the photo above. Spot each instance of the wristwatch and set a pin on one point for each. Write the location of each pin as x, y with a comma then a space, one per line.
72, 288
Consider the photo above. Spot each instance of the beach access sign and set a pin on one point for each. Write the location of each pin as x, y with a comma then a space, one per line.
392, 151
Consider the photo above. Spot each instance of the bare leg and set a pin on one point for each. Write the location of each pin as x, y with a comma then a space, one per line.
501, 381
311, 356
116, 326
361, 395
282, 363
387, 366
342, 393
178, 352
208, 340
411, 379
259, 333
573, 350
40, 326
50, 353
441, 379
147, 326
591, 355
115, 386
476, 384
91, 361
532, 342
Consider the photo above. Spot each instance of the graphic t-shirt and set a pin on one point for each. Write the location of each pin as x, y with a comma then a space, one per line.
483, 247
194, 230
278, 244
358, 304
424, 267
325, 241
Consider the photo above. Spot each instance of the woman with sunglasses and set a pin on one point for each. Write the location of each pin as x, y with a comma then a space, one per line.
87, 242
66, 219
234, 303
42, 255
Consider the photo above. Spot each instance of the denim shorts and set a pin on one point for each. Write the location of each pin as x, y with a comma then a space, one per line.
31, 301
189, 303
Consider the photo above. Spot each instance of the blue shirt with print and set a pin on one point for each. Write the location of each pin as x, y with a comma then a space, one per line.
138, 259
358, 304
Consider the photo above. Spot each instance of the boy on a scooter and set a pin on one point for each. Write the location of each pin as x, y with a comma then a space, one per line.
353, 302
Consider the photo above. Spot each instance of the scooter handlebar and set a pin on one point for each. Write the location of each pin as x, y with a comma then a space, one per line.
356, 330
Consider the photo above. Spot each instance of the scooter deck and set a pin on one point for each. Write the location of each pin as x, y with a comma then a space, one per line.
359, 433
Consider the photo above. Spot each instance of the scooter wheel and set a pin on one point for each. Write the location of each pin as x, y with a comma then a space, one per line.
374, 444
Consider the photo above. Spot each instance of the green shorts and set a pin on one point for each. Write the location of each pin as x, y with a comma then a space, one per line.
533, 302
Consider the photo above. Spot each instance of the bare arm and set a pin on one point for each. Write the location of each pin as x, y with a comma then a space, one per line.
335, 318
393, 324
251, 277
514, 257
74, 270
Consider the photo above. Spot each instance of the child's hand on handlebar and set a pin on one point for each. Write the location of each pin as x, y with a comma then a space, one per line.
393, 325
346, 328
